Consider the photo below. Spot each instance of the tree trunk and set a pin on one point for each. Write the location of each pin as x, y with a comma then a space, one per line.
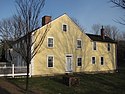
28, 62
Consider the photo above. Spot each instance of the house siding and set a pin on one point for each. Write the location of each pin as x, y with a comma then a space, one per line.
65, 43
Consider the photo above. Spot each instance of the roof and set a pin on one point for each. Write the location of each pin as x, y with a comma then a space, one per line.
100, 39
37, 28
91, 36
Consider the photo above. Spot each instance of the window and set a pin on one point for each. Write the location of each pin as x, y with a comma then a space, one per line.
93, 60
19, 44
94, 45
79, 43
50, 61
79, 61
102, 60
22, 41
108, 48
50, 42
16, 45
64, 27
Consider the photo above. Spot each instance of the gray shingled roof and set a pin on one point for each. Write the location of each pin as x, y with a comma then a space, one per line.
99, 38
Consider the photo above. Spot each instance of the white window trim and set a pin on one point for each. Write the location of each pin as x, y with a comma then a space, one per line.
93, 45
77, 44
77, 61
91, 60
66, 26
53, 42
100, 60
47, 60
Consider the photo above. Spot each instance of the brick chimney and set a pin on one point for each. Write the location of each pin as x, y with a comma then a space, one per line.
103, 33
46, 20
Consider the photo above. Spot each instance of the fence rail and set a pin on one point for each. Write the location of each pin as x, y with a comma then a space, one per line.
12, 70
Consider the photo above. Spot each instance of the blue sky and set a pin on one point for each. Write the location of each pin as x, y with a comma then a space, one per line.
87, 12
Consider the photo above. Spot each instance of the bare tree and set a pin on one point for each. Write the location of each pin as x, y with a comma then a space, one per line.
123, 35
121, 4
20, 27
112, 32
8, 29
96, 29
29, 12
78, 24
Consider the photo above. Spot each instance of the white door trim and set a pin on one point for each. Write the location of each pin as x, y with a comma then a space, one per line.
71, 67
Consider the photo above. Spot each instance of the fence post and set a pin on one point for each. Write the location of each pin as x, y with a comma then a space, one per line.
13, 70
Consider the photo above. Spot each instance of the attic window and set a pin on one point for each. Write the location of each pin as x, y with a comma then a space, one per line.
64, 27
79, 43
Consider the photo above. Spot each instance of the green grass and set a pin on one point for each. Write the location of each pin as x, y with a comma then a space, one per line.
113, 83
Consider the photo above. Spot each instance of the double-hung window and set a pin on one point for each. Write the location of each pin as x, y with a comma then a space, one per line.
65, 27
79, 61
79, 43
50, 61
50, 42
93, 60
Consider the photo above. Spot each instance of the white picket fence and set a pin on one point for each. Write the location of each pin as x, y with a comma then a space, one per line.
12, 70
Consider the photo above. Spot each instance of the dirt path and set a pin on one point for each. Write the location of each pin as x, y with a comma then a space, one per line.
9, 88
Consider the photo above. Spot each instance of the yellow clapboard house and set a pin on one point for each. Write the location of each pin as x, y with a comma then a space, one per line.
67, 49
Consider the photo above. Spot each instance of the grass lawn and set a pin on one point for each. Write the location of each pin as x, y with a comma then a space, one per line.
113, 83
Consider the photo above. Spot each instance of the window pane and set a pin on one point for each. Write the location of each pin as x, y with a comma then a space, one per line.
102, 60
79, 43
50, 61
50, 45
93, 60
79, 61
64, 27
50, 42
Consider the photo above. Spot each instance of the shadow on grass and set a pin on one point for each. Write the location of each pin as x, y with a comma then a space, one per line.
58, 79
101, 83
22, 90
4, 91
10, 80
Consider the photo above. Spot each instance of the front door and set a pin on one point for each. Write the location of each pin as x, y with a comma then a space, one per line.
69, 63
